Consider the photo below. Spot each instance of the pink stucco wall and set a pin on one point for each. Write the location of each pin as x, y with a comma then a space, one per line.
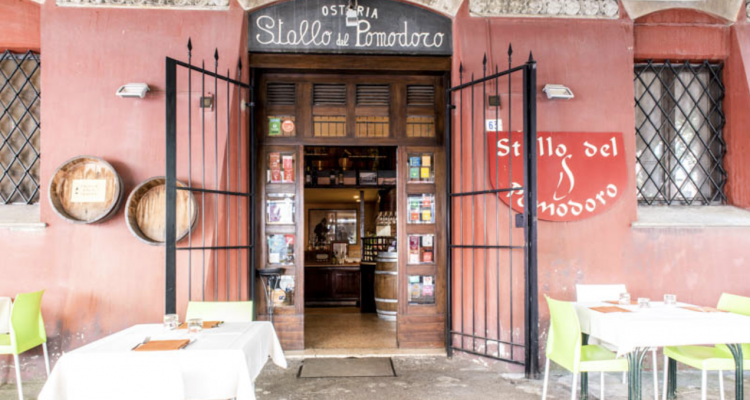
100, 279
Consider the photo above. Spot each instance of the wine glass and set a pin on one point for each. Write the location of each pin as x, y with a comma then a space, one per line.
670, 300
171, 321
194, 328
625, 299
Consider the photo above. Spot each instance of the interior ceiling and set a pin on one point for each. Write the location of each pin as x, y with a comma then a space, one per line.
338, 195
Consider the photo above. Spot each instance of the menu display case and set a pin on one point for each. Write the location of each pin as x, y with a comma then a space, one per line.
421, 168
421, 290
421, 249
280, 167
280, 208
421, 209
280, 249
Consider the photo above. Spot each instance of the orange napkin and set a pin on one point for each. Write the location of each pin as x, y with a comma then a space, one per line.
162, 345
607, 309
701, 309
615, 302
206, 324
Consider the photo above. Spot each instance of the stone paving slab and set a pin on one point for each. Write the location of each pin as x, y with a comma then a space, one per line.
440, 378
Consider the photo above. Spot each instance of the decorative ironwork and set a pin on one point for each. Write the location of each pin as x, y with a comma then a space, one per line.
545, 8
679, 142
20, 100
229, 253
485, 321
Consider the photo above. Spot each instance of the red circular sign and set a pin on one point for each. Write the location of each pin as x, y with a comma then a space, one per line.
287, 126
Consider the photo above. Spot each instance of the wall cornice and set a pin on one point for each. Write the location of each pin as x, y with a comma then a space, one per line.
154, 4
545, 8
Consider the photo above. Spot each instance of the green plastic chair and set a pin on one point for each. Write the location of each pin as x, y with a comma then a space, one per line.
717, 358
227, 311
26, 331
564, 347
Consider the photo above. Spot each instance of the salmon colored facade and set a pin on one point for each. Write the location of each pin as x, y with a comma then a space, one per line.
99, 279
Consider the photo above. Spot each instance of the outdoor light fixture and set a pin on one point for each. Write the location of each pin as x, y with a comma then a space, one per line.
557, 92
133, 90
351, 13
207, 102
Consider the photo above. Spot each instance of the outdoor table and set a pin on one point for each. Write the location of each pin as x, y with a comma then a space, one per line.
5, 304
633, 333
222, 363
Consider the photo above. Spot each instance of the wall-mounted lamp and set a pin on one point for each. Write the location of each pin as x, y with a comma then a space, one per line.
207, 102
557, 92
133, 90
351, 13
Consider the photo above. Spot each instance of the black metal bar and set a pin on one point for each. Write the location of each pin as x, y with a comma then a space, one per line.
531, 306
251, 226
214, 248
170, 297
239, 180
473, 218
482, 246
448, 226
485, 338
190, 163
484, 196
484, 355
739, 370
213, 191
203, 180
229, 170
671, 378
209, 73
494, 76
584, 395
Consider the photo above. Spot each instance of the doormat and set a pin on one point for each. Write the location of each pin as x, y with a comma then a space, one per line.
347, 367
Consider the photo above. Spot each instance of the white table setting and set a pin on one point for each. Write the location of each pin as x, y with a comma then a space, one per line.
634, 328
217, 363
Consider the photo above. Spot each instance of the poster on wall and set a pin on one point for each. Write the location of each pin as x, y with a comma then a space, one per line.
579, 174
331, 26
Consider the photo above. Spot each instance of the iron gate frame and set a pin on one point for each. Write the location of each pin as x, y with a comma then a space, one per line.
171, 66
531, 306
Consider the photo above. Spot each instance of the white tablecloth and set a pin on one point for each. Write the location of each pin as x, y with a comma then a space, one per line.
221, 364
4, 315
661, 326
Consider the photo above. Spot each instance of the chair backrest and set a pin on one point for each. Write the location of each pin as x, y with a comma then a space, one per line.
564, 336
227, 311
26, 323
593, 293
734, 304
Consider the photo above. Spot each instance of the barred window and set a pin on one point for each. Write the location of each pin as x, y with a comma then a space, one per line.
679, 143
19, 127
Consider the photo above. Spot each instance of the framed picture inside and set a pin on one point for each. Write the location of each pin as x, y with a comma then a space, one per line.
340, 250
329, 226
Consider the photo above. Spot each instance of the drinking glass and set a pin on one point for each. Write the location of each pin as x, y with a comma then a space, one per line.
644, 302
670, 299
625, 299
171, 321
194, 327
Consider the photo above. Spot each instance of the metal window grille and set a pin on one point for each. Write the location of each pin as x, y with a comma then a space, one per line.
19, 127
679, 141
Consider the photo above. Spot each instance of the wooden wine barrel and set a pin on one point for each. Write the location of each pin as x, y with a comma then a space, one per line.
146, 214
386, 286
85, 190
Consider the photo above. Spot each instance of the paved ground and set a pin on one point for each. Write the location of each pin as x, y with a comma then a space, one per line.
438, 378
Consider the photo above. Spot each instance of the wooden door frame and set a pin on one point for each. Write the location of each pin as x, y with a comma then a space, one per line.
358, 65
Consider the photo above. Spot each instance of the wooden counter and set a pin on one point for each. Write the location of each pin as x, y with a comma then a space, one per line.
332, 284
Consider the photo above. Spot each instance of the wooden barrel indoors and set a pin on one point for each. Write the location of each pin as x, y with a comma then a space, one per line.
386, 286
85, 190
145, 213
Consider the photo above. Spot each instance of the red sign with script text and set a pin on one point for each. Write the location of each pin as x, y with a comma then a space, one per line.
579, 174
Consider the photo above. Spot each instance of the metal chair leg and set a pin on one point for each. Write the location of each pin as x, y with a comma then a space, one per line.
46, 357
721, 384
18, 376
704, 376
546, 379
575, 386
601, 387
666, 368
656, 373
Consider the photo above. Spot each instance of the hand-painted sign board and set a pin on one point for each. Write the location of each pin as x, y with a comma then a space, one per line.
320, 26
579, 175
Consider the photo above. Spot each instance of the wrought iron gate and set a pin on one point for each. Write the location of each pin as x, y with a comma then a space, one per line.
483, 290
215, 260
